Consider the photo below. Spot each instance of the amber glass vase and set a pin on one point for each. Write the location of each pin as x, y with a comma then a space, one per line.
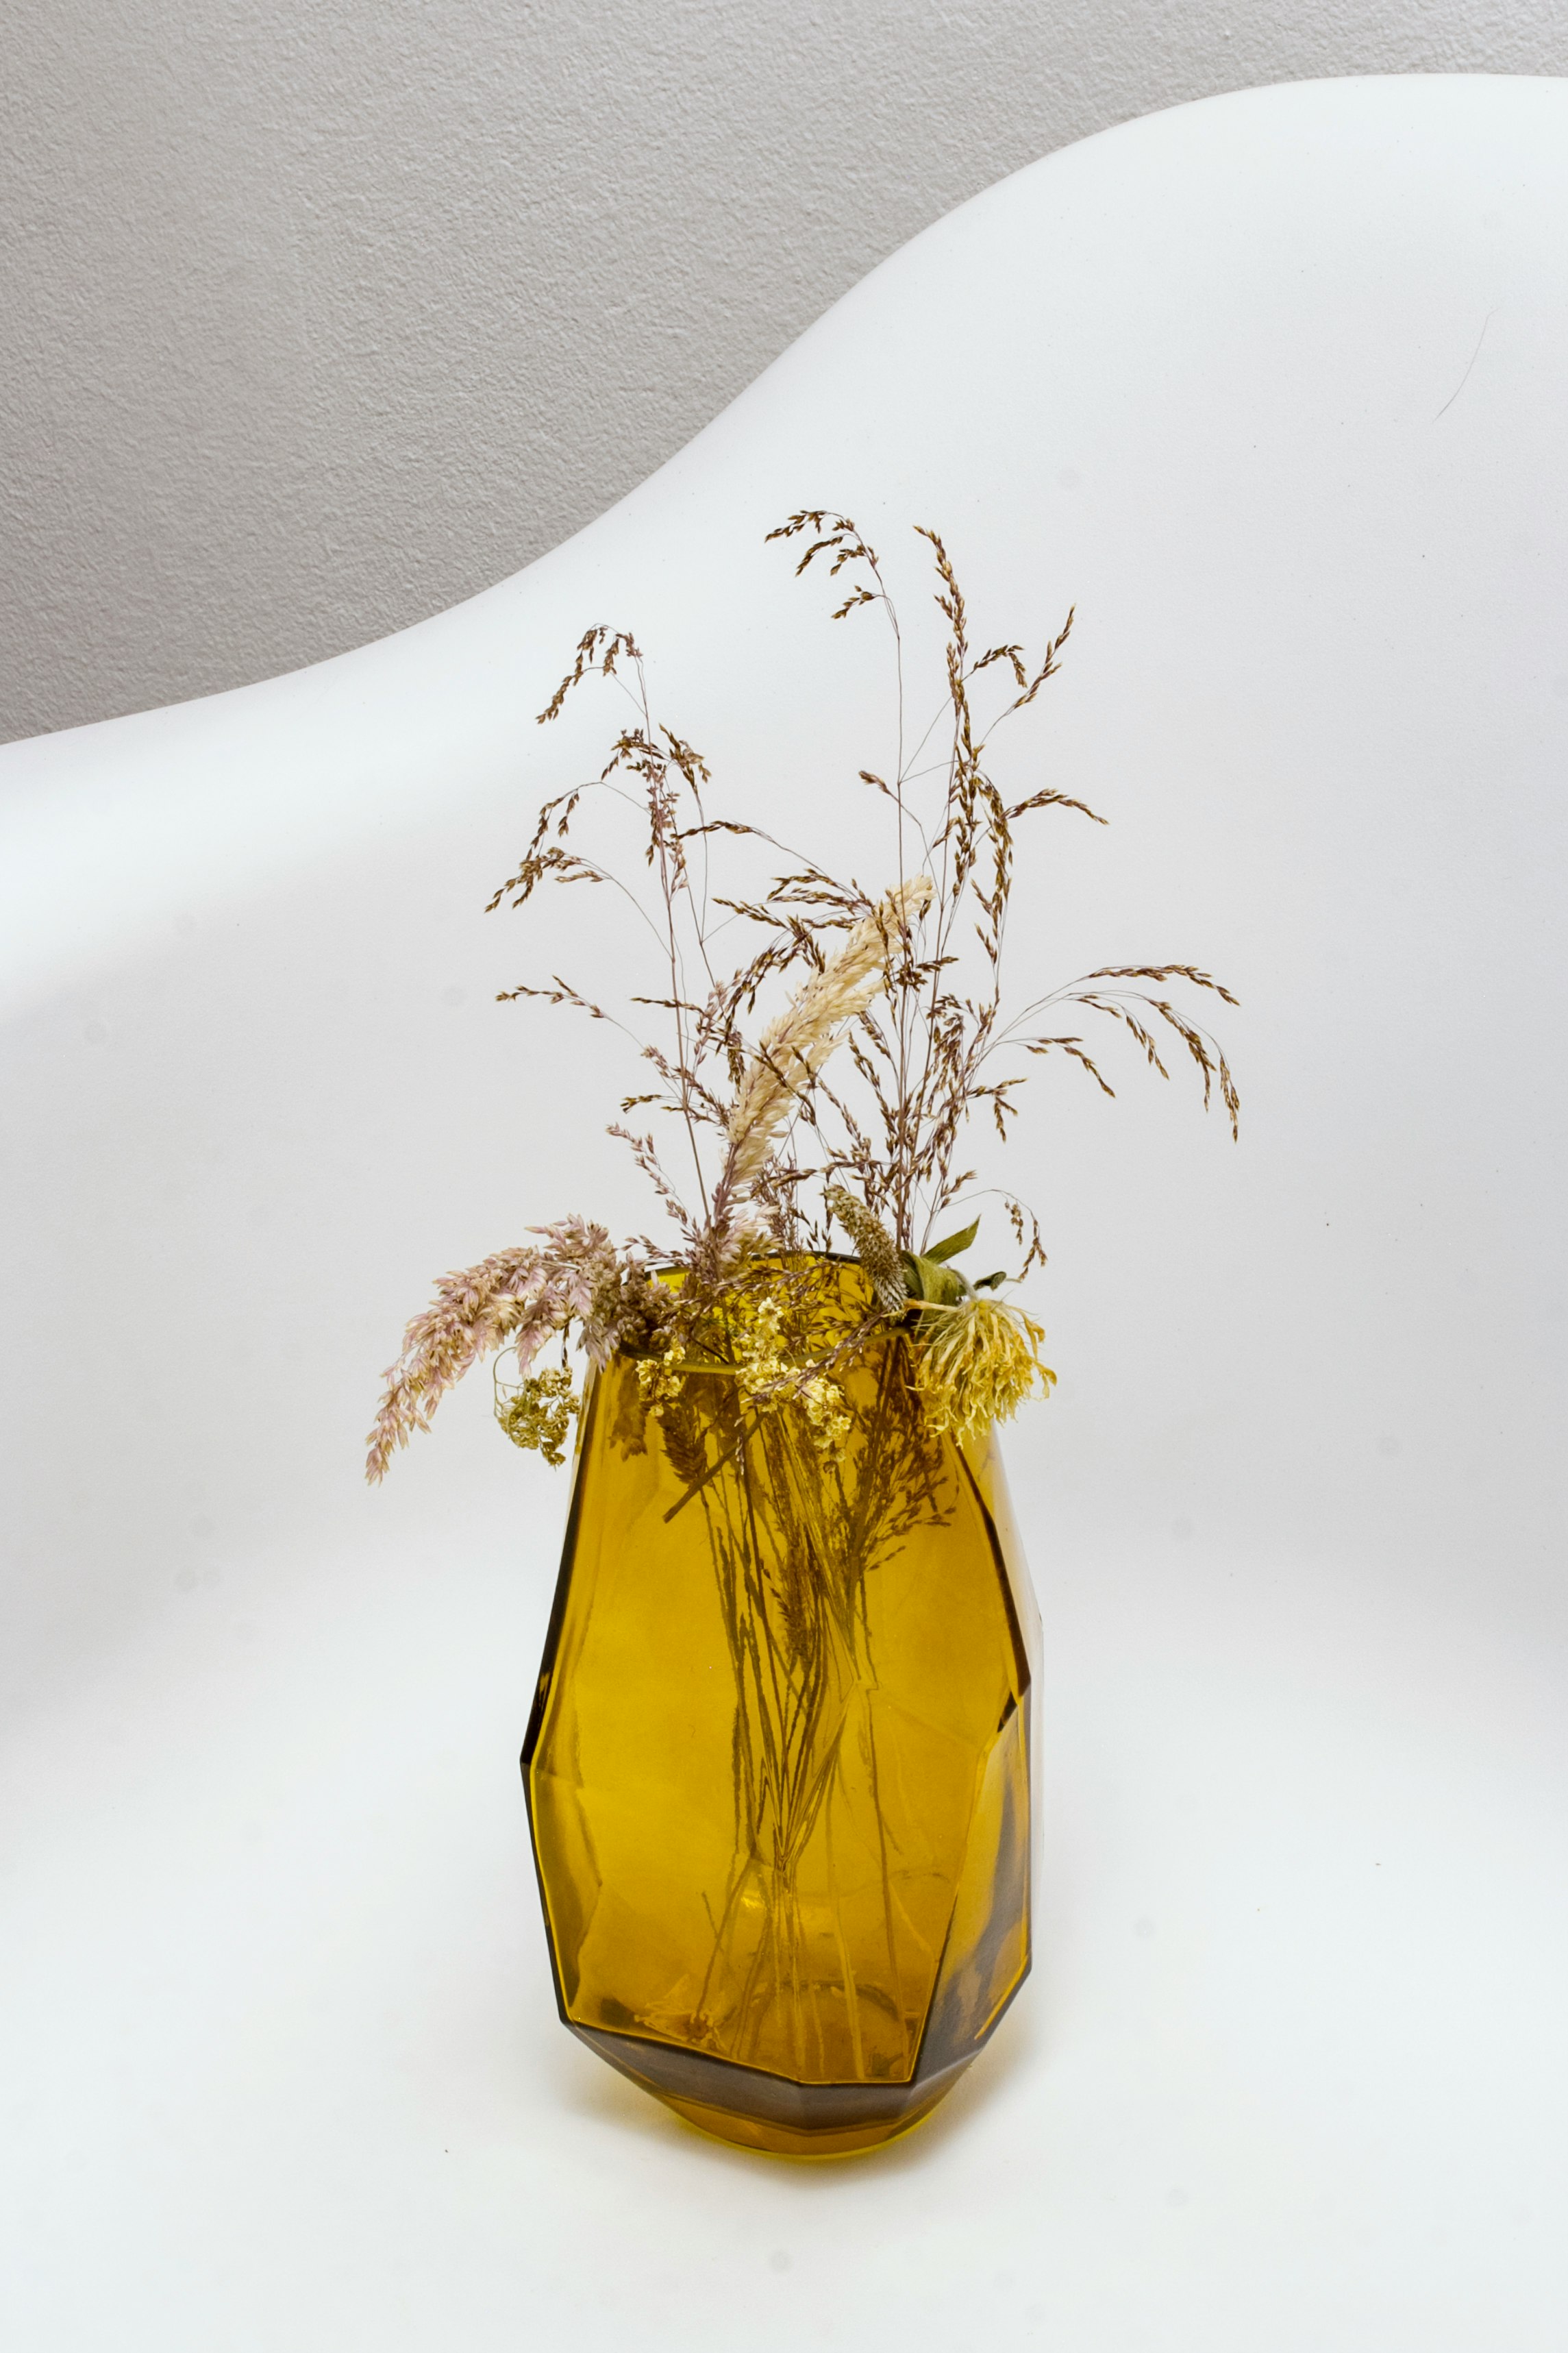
778, 1767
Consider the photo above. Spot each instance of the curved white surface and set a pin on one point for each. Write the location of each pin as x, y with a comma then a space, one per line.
1273, 388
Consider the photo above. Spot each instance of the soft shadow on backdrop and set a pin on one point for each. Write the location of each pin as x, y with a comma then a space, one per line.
1272, 387
318, 317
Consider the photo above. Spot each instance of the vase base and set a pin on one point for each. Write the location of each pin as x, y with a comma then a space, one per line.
814, 2146
755, 2110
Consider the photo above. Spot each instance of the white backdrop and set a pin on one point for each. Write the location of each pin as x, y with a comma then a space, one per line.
1272, 387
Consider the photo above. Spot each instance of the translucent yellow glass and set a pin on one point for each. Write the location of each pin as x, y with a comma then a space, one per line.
778, 1764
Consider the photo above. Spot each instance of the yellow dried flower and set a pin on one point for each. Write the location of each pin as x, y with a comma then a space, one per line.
767, 1375
828, 1416
539, 1415
981, 1361
759, 1360
658, 1374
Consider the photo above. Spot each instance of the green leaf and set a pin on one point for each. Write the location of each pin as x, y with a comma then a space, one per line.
991, 1281
954, 1244
940, 1286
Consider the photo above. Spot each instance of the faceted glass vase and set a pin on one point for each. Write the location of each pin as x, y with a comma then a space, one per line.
778, 1764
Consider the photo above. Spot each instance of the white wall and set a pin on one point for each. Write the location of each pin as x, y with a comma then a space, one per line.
318, 316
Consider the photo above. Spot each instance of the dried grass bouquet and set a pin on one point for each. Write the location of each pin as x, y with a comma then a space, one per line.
822, 1087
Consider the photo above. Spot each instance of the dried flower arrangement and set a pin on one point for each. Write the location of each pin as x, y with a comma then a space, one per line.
899, 990
778, 1763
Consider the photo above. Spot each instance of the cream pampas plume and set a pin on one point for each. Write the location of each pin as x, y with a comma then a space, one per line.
793, 1050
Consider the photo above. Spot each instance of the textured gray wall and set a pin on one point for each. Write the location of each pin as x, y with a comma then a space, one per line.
318, 315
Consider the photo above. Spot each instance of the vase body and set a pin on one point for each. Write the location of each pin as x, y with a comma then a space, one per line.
778, 1764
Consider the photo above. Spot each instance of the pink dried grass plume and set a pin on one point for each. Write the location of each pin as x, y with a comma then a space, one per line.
518, 1297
